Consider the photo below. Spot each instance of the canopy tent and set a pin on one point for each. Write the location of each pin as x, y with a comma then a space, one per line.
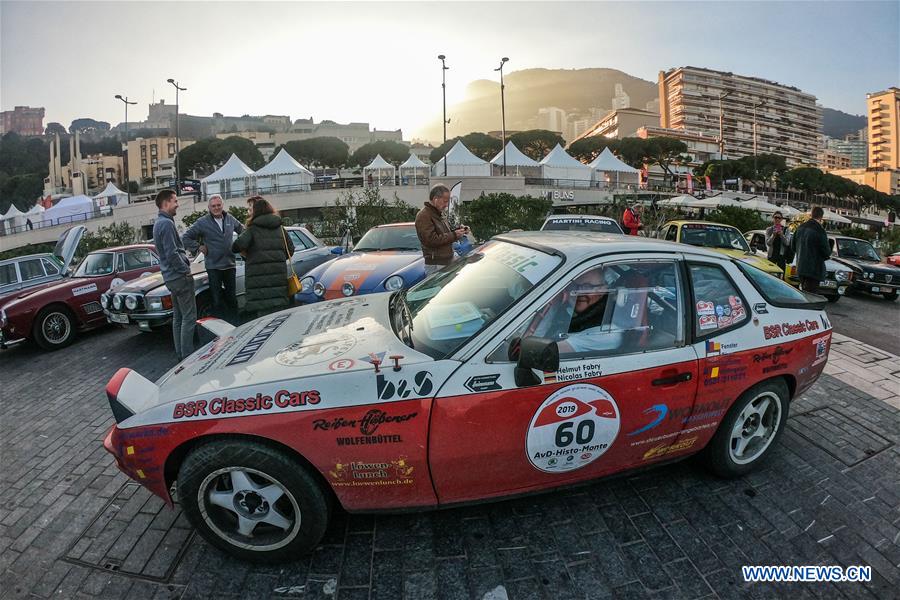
283, 174
517, 163
760, 205
35, 210
559, 165
413, 168
112, 195
68, 210
14, 218
608, 169
379, 172
789, 211
836, 218
231, 179
713, 202
461, 162
676, 201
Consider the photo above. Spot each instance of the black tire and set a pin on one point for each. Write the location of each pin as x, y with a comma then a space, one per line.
54, 327
209, 471
834, 298
890, 295
721, 454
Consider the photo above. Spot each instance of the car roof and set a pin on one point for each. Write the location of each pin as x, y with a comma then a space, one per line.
409, 224
25, 257
122, 248
580, 245
551, 217
847, 237
689, 222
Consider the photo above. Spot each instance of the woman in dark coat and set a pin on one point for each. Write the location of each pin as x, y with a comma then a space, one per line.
263, 245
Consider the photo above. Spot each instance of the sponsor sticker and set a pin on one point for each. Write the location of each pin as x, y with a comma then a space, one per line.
789, 329
705, 308
249, 350
84, 289
572, 428
223, 405
725, 370
708, 322
368, 427
679, 446
390, 387
483, 383
316, 349
821, 346
341, 364
659, 412
358, 473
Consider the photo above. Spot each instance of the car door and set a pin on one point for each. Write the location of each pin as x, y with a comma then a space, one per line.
618, 399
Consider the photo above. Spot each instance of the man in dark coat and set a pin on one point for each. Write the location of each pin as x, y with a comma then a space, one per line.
266, 248
810, 244
212, 234
434, 233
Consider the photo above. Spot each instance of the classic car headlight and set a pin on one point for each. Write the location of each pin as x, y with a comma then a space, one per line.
2, 318
306, 284
842, 275
104, 300
130, 302
867, 275
319, 289
117, 302
155, 304
347, 289
393, 283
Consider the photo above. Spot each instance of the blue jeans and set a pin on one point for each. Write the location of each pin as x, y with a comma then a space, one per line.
222, 292
184, 305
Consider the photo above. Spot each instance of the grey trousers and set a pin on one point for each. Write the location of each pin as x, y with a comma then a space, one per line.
185, 314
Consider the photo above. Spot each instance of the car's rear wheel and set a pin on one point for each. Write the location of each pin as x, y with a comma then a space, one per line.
749, 430
54, 328
890, 295
252, 501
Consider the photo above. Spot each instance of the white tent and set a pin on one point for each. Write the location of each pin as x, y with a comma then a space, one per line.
607, 169
68, 210
283, 174
713, 202
836, 218
231, 179
13, 219
676, 201
379, 172
789, 211
461, 162
413, 168
517, 163
112, 195
760, 205
559, 165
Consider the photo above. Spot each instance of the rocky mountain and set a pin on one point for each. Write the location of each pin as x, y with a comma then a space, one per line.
837, 124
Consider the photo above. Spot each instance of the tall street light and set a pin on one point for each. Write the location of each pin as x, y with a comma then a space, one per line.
503, 61
755, 106
127, 180
722, 125
177, 143
444, 68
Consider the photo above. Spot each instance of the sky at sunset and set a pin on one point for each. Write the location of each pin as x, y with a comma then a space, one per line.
377, 62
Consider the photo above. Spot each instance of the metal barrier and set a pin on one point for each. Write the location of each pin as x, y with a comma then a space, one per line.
42, 224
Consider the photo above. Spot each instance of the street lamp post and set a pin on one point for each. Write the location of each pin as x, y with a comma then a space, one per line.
503, 61
722, 125
755, 106
177, 142
127, 180
444, 68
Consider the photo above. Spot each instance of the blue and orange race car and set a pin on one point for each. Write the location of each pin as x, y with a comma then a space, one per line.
387, 258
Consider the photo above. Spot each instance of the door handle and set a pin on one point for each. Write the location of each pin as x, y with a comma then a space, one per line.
674, 379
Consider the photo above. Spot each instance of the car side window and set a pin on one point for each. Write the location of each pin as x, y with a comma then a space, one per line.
51, 268
8, 274
300, 241
31, 269
614, 309
672, 233
135, 259
718, 304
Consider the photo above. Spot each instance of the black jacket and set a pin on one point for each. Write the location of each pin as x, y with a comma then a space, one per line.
265, 267
810, 244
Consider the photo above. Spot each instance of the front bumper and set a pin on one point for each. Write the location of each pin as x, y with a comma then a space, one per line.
137, 458
875, 287
143, 321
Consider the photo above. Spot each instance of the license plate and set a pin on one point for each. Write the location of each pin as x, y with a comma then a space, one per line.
829, 284
876, 289
116, 318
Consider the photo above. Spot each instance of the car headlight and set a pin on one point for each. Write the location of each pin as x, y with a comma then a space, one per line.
104, 300
306, 284
319, 289
393, 283
131, 302
117, 302
347, 289
2, 318
155, 304
842, 275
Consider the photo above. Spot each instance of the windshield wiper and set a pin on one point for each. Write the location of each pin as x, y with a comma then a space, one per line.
398, 248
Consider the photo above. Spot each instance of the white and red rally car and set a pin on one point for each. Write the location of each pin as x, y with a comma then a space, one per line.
540, 360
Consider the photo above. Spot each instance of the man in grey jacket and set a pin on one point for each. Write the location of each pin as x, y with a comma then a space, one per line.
176, 272
212, 235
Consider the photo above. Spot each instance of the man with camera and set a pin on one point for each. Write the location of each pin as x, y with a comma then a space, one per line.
434, 232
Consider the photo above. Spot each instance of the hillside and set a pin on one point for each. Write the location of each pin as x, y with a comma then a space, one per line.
837, 124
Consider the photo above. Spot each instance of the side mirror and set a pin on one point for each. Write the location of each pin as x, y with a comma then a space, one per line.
337, 250
535, 353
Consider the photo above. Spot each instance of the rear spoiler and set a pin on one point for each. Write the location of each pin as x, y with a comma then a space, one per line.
129, 393
217, 327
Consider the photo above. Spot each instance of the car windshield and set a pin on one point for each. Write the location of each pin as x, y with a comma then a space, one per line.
582, 224
857, 249
445, 310
99, 263
713, 236
389, 238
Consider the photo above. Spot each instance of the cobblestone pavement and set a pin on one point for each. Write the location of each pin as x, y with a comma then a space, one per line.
71, 526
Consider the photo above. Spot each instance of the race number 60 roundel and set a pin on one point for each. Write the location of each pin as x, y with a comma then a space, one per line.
572, 428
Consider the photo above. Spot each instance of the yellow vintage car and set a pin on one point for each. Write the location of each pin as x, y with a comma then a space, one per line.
719, 237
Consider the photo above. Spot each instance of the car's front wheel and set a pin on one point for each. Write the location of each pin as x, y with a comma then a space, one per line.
747, 433
890, 295
252, 501
54, 328
833, 298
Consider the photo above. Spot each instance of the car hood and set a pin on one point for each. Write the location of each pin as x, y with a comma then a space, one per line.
868, 265
328, 339
365, 270
751, 259
148, 283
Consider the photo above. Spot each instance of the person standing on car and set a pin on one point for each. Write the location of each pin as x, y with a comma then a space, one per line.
434, 232
266, 248
777, 244
212, 234
176, 272
810, 244
631, 220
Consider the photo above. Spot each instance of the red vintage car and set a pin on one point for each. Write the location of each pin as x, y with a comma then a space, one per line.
51, 314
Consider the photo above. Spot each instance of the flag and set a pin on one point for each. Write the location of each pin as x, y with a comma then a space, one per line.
690, 184
47, 202
708, 184
453, 208
713, 347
